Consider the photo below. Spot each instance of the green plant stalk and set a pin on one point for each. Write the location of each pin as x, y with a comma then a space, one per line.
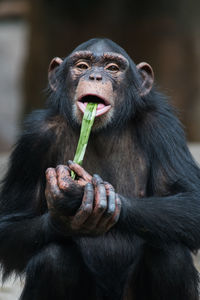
86, 126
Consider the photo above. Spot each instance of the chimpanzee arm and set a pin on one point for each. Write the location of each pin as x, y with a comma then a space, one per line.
23, 230
21, 235
171, 209
163, 219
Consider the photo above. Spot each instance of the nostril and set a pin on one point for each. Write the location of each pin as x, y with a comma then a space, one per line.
95, 77
98, 77
91, 77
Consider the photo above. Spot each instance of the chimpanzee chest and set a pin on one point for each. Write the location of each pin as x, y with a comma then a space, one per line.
128, 175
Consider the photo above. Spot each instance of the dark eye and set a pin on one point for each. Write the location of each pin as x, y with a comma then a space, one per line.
112, 68
82, 65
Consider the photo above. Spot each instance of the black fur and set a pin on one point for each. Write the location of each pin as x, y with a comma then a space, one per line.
146, 255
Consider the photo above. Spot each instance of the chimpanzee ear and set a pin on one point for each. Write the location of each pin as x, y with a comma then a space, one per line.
56, 62
147, 74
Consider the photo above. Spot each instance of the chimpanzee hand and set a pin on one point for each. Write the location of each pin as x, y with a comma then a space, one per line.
100, 207
63, 194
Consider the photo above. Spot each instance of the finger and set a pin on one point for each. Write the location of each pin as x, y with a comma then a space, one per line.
52, 184
116, 214
51, 176
105, 222
110, 193
100, 204
85, 209
80, 171
96, 180
64, 168
63, 177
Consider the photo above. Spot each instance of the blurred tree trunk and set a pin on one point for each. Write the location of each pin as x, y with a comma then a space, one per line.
164, 33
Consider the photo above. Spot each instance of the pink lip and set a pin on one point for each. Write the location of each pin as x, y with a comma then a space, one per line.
101, 108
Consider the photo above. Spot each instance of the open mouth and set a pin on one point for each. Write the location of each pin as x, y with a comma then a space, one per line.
102, 107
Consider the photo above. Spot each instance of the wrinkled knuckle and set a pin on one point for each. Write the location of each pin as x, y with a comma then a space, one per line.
63, 185
101, 191
59, 167
101, 207
67, 169
78, 167
49, 170
88, 177
87, 208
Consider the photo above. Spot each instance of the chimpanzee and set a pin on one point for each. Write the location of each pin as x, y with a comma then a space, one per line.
126, 233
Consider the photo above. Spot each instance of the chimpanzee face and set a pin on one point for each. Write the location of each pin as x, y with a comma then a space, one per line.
97, 76
98, 72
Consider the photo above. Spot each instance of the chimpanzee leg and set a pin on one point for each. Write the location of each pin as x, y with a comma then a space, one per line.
167, 274
54, 273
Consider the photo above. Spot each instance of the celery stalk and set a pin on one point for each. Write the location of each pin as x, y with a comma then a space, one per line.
87, 122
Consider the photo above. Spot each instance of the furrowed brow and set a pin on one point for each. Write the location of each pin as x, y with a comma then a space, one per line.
81, 55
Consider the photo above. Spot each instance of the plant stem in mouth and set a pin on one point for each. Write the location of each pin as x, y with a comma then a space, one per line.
86, 126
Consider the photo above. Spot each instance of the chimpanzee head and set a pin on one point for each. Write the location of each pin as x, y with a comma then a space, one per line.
99, 71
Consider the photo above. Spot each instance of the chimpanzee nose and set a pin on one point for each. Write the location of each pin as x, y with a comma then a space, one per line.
95, 77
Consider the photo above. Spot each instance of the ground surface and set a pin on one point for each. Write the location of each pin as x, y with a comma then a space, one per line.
12, 288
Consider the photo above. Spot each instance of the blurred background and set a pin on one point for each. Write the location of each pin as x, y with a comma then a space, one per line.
165, 33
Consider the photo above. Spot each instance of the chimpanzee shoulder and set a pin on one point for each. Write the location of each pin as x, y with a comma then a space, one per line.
164, 143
